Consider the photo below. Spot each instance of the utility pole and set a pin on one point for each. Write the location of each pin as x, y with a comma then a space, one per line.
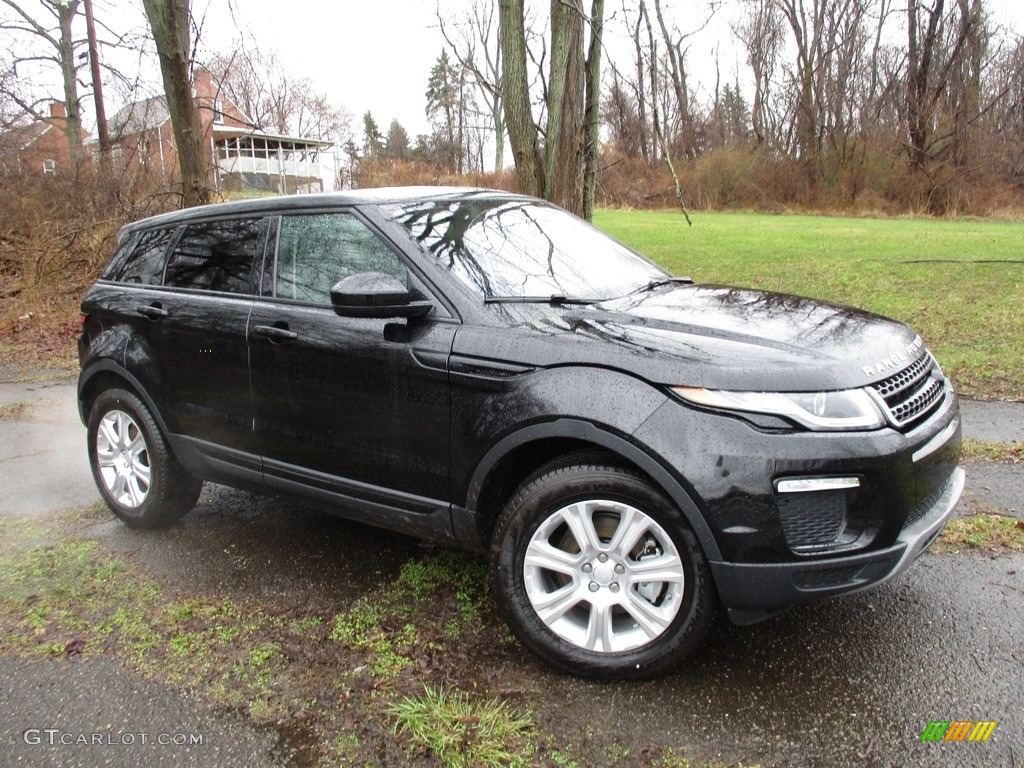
97, 87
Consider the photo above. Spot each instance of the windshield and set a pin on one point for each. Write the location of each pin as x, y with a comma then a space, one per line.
524, 249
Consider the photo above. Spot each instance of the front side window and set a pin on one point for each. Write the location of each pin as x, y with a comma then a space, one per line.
315, 251
216, 256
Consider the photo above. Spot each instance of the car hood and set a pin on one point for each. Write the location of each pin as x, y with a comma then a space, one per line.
712, 336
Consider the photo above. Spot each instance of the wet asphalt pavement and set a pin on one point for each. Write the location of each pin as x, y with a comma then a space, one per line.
851, 681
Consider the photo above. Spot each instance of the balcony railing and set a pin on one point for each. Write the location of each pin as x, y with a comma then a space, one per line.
273, 166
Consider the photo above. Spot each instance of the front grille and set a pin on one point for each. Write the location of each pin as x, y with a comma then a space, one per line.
926, 504
811, 520
826, 577
913, 392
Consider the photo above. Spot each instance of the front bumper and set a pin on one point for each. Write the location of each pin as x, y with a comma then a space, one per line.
752, 592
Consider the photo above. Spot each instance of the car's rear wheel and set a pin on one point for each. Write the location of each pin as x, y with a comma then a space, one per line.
134, 469
598, 573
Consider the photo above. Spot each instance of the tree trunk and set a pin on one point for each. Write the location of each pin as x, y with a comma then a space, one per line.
650, 154
919, 60
659, 131
592, 114
563, 144
677, 62
558, 172
515, 88
169, 22
498, 117
72, 105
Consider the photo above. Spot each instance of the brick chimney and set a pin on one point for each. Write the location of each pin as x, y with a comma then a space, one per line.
57, 111
202, 83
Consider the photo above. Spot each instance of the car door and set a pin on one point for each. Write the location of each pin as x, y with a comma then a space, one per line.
190, 350
356, 407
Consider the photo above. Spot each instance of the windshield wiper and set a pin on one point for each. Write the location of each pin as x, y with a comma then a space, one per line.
658, 282
555, 298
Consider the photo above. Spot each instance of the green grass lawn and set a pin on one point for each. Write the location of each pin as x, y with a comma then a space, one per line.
959, 283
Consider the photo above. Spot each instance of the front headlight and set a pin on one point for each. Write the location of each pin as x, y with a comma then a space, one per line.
820, 411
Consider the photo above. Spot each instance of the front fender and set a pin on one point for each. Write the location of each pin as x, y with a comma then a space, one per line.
598, 406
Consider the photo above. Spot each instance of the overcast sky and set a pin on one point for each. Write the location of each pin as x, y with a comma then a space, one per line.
377, 55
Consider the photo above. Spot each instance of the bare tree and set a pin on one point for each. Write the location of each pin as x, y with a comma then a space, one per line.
51, 44
760, 33
592, 108
620, 115
659, 125
943, 50
554, 167
676, 50
1003, 126
474, 42
275, 100
170, 22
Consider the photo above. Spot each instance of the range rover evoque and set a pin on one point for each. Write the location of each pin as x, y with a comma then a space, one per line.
485, 370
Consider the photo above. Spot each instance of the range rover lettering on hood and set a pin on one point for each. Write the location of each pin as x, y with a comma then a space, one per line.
899, 359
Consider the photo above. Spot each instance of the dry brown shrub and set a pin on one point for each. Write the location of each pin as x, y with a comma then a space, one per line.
749, 178
56, 235
403, 173
865, 179
632, 182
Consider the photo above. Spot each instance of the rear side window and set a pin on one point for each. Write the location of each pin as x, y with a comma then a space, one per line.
216, 256
141, 259
316, 251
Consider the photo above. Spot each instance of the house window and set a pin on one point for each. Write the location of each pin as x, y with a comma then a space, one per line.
50, 167
218, 111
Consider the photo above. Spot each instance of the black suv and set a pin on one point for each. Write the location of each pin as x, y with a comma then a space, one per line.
485, 370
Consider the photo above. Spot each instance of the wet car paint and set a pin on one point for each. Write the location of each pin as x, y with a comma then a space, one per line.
490, 391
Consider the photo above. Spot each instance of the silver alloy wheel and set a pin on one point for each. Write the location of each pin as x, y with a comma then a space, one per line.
123, 459
604, 576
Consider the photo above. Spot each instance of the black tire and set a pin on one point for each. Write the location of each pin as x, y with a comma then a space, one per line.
134, 469
537, 521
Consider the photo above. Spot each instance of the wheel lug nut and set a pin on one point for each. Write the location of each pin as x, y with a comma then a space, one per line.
620, 568
594, 586
614, 587
587, 568
603, 557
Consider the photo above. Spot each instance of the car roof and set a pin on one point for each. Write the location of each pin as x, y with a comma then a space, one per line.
287, 203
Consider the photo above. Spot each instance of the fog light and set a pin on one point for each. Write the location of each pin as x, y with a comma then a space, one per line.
814, 512
806, 484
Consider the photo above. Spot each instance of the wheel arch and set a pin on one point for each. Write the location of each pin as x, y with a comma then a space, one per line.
514, 458
104, 375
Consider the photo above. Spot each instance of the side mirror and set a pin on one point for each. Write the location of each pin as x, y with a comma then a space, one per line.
375, 294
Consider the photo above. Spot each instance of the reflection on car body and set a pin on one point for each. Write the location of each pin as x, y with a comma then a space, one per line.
487, 371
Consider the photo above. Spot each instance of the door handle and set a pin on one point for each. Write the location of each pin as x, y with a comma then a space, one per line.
153, 311
274, 333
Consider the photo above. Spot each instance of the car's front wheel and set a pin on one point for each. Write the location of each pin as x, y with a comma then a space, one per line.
598, 573
135, 471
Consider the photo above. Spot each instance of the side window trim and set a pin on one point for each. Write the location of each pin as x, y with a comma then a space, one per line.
178, 232
255, 266
444, 312
358, 216
268, 266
